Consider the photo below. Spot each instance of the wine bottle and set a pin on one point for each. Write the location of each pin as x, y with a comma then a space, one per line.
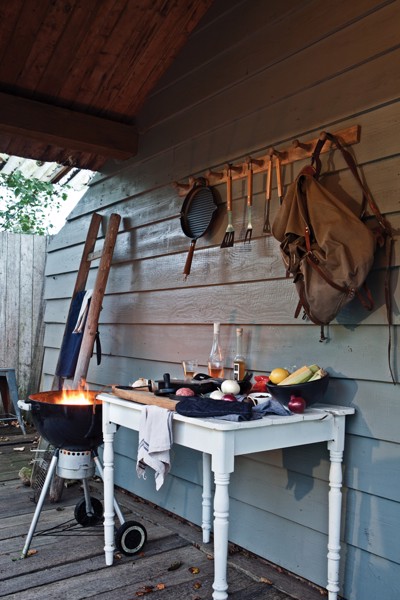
215, 360
239, 362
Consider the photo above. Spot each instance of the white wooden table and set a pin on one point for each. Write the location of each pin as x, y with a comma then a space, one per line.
220, 441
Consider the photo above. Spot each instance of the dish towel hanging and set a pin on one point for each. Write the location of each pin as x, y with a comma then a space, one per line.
80, 322
155, 441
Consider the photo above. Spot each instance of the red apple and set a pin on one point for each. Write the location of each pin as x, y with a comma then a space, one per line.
297, 404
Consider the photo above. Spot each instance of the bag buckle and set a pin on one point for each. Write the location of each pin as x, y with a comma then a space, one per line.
313, 257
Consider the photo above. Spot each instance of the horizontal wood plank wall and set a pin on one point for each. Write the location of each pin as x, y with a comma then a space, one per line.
22, 264
257, 74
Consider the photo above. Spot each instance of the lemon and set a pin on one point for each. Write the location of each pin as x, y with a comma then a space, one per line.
278, 375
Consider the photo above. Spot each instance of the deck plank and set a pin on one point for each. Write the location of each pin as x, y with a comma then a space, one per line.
71, 564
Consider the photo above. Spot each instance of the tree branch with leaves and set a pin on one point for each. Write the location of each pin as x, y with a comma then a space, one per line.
25, 203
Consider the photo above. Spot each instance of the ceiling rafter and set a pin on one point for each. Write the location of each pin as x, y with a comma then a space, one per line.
73, 75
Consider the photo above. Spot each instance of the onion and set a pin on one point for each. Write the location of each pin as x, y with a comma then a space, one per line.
230, 386
216, 395
229, 397
184, 392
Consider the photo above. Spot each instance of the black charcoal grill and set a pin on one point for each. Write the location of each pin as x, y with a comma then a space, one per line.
71, 421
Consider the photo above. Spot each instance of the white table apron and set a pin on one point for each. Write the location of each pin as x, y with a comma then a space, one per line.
220, 441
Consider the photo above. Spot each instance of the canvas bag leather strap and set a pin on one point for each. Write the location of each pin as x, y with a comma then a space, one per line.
384, 236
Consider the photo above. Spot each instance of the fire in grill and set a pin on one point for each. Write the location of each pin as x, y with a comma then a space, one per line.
68, 419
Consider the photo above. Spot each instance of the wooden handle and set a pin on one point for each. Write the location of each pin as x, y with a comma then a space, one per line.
188, 263
144, 398
278, 176
229, 190
249, 184
269, 179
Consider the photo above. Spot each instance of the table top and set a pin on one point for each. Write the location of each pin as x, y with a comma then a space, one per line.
224, 440
314, 413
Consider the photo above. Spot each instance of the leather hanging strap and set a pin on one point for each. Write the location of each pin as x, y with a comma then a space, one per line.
384, 236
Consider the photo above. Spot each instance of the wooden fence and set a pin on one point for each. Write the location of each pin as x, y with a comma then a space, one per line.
22, 264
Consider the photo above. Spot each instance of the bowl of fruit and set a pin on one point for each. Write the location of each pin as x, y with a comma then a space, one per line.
309, 383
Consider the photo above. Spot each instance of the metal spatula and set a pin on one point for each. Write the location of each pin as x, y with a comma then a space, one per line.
267, 224
249, 230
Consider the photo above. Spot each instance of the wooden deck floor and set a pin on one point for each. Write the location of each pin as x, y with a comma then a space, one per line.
69, 565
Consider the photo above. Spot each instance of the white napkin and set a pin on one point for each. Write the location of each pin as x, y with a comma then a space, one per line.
80, 322
155, 441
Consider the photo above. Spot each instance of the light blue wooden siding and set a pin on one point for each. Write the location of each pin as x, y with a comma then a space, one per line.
257, 74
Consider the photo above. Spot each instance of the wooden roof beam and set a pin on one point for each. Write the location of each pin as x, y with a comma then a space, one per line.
65, 128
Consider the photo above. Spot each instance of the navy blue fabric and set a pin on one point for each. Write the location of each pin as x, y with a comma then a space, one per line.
195, 406
72, 341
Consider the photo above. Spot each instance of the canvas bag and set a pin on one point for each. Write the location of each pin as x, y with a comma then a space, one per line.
326, 247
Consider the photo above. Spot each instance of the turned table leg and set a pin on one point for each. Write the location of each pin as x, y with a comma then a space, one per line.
108, 482
221, 525
206, 504
336, 447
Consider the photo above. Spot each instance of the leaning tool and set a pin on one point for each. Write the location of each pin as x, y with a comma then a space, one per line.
267, 224
249, 230
229, 236
279, 178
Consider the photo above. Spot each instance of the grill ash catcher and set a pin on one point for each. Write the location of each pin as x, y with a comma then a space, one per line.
74, 429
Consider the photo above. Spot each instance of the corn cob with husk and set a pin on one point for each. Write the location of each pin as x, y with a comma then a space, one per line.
303, 375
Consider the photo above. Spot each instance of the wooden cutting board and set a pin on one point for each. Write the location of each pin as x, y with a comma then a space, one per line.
143, 397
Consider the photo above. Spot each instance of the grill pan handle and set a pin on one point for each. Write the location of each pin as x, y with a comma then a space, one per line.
188, 263
24, 405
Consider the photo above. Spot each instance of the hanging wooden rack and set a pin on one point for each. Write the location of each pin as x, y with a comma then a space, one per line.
298, 150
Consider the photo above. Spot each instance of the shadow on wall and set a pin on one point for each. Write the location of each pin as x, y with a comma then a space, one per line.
296, 482
367, 533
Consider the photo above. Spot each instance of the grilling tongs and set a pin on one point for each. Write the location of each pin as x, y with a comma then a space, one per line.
267, 224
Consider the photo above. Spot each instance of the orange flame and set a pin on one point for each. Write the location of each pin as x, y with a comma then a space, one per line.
74, 397
79, 397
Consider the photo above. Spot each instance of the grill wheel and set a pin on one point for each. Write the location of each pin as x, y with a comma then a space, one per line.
88, 519
130, 537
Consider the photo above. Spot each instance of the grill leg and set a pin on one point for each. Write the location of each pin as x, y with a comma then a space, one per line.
50, 472
88, 502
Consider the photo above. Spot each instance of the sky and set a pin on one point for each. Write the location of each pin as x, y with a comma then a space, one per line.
58, 218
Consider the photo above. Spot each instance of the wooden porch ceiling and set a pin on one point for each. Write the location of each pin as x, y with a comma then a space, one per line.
74, 73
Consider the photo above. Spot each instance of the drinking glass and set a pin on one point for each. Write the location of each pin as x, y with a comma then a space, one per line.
189, 368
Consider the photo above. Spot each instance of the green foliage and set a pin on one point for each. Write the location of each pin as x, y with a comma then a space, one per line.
25, 203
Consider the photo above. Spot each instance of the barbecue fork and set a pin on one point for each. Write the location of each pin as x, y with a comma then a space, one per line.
229, 236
